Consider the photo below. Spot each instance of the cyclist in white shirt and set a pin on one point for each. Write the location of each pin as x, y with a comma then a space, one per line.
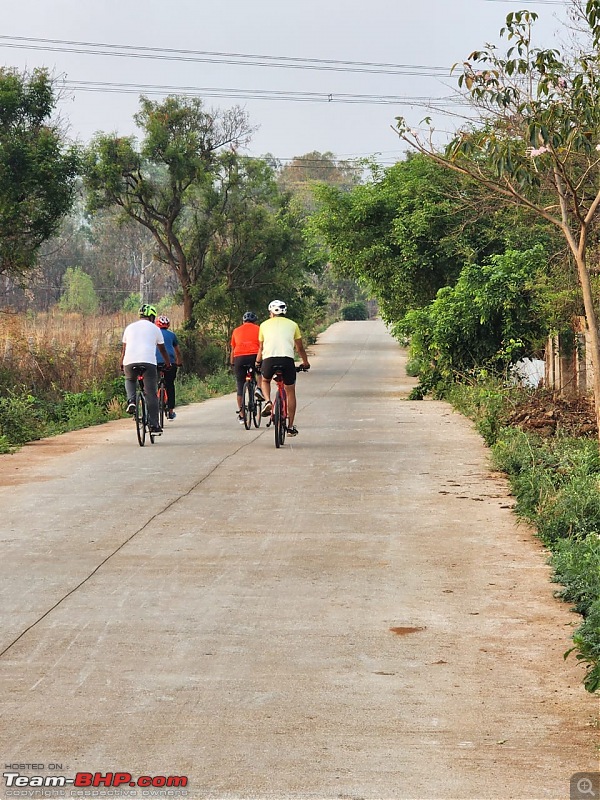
278, 337
140, 341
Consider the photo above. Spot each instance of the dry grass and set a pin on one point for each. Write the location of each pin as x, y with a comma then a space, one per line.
63, 351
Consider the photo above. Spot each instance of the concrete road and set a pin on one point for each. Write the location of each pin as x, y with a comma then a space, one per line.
356, 615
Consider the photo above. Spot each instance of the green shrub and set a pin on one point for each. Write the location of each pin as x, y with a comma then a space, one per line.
587, 646
355, 311
20, 419
573, 512
576, 565
485, 401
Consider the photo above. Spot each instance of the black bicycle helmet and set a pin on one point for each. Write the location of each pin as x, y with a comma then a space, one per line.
249, 316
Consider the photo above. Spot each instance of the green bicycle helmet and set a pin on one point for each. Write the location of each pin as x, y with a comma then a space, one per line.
147, 310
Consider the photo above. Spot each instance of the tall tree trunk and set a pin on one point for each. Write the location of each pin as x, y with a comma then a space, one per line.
592, 323
188, 307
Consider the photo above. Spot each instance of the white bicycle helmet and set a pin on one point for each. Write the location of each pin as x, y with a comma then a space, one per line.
277, 307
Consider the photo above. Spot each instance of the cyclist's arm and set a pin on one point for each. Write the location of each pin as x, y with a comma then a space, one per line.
178, 358
123, 348
259, 354
163, 351
301, 351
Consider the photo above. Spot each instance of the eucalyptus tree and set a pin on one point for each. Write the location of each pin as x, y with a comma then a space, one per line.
537, 143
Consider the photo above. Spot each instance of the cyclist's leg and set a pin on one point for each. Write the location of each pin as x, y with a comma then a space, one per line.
170, 376
130, 381
267, 376
290, 390
239, 370
150, 390
289, 381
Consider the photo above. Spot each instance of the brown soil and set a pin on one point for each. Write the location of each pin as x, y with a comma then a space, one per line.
547, 414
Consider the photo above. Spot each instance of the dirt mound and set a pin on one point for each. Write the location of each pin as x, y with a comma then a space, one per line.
547, 414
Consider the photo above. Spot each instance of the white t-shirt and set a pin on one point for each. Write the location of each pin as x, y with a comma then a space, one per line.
141, 338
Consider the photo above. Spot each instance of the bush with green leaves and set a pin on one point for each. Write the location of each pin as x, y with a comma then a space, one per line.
79, 294
20, 418
586, 641
355, 311
494, 314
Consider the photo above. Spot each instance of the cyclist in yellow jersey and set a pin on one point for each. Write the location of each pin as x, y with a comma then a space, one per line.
278, 337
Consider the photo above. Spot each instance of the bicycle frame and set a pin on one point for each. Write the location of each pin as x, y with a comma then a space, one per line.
141, 410
280, 409
251, 407
162, 398
279, 414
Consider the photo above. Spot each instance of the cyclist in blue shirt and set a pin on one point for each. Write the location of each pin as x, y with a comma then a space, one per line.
172, 346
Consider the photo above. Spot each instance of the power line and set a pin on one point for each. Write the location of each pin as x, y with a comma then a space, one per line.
204, 56
258, 94
530, 2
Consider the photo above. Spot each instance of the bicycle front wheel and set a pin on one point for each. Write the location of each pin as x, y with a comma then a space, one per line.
140, 418
247, 404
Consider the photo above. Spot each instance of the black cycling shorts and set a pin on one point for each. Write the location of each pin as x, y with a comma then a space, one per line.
240, 369
288, 366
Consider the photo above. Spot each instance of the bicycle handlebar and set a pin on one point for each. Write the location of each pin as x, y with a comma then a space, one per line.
302, 368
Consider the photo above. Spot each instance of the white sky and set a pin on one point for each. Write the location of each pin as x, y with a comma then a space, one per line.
426, 33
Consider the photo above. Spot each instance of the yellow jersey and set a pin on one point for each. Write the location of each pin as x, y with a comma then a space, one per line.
278, 335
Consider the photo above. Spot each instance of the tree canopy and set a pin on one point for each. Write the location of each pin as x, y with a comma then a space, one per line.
38, 169
407, 233
219, 220
537, 143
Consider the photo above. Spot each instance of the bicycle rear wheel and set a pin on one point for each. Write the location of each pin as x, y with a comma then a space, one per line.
162, 406
247, 404
140, 418
278, 422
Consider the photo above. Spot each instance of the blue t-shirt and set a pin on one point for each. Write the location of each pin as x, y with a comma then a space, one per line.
170, 342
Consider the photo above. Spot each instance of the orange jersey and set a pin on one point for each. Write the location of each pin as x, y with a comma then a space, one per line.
244, 340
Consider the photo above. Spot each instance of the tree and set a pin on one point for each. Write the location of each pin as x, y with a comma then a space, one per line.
79, 295
167, 184
408, 232
538, 145
491, 317
303, 172
38, 168
257, 249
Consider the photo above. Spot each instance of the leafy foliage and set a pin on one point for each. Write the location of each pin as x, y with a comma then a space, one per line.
37, 168
408, 232
488, 319
538, 144
79, 295
355, 311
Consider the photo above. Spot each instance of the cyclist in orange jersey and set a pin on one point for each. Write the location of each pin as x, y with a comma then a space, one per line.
244, 347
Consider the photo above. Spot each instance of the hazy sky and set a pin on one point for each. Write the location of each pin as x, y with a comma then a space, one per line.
430, 35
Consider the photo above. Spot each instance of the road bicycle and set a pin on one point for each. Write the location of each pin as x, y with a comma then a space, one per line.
141, 409
251, 406
163, 405
279, 414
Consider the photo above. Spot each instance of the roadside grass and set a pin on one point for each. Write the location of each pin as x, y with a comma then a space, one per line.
59, 372
25, 417
556, 484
